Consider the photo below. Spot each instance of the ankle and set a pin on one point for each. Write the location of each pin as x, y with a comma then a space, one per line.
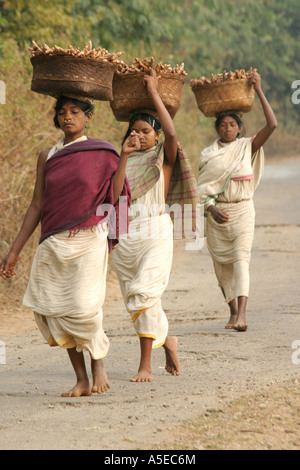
145, 365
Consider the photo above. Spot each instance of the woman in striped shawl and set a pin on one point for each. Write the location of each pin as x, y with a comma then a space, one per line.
143, 257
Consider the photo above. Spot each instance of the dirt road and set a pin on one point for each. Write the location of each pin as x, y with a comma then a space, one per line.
217, 364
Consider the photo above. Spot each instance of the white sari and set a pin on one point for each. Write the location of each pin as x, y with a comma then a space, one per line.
67, 285
143, 260
229, 175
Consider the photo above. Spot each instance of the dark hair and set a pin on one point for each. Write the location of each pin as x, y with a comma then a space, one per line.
235, 116
85, 106
142, 117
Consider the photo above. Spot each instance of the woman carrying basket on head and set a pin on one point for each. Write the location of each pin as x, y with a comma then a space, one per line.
66, 288
143, 257
230, 170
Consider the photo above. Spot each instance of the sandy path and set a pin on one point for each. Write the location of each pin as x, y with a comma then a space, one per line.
217, 364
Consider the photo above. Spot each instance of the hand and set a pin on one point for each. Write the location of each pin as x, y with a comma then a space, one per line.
256, 80
151, 81
131, 144
219, 216
7, 266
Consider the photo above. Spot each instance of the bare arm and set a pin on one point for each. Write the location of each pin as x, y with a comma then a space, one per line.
131, 144
30, 222
170, 142
271, 121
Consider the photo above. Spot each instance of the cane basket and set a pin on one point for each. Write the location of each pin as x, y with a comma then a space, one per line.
130, 94
78, 76
228, 95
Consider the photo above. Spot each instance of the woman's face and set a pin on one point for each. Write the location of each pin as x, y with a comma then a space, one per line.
146, 134
228, 129
72, 120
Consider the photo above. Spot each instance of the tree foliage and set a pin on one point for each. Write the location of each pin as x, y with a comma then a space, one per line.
230, 34
27, 20
124, 22
207, 35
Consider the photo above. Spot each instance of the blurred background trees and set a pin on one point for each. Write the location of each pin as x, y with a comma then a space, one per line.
209, 36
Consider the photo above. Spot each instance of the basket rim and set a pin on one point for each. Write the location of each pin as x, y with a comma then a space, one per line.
158, 74
62, 80
222, 83
231, 100
90, 60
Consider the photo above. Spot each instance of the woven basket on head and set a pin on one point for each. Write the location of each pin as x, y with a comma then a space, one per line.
130, 93
82, 76
217, 97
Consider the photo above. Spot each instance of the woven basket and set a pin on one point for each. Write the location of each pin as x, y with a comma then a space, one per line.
130, 94
78, 76
229, 95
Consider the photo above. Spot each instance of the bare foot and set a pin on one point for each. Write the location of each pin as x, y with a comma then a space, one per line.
172, 362
81, 389
100, 379
241, 321
143, 375
144, 372
240, 326
231, 322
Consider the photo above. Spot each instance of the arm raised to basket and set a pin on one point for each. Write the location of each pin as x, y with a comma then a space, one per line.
170, 142
271, 121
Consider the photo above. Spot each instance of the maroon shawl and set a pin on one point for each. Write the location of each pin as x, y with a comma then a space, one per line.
78, 179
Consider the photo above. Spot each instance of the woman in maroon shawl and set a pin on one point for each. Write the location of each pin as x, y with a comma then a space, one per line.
76, 198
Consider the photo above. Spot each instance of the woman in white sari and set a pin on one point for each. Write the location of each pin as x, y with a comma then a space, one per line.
66, 288
230, 170
143, 257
